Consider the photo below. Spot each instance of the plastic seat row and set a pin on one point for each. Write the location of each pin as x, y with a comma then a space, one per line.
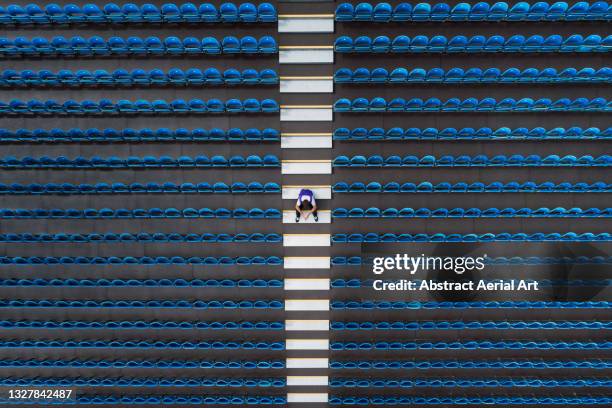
141, 324
143, 344
130, 135
140, 237
201, 283
167, 400
151, 363
131, 13
50, 107
472, 75
476, 44
476, 324
170, 304
542, 283
596, 364
487, 237
137, 77
143, 260
139, 162
483, 133
481, 11
139, 188
552, 160
500, 400
510, 304
502, 260
145, 213
352, 382
144, 382
508, 212
476, 187
471, 345
98, 46
379, 104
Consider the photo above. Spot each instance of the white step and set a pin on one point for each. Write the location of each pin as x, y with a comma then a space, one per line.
306, 325
306, 262
307, 380
306, 85
306, 141
306, 167
306, 284
308, 305
324, 217
306, 240
307, 344
323, 54
320, 192
307, 363
306, 113
306, 23
295, 397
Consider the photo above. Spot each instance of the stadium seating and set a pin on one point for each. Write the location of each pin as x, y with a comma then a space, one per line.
538, 364
467, 399
134, 46
460, 324
374, 212
488, 237
128, 135
140, 237
50, 107
137, 78
140, 324
516, 160
130, 13
481, 11
501, 260
163, 363
138, 188
170, 400
139, 162
143, 260
484, 133
433, 104
474, 187
517, 43
473, 75
510, 304
138, 213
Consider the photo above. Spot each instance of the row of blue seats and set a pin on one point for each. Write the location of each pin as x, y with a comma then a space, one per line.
541, 283
112, 237
139, 188
143, 344
472, 325
130, 304
472, 75
470, 345
538, 364
163, 400
50, 107
475, 187
138, 162
130, 135
131, 13
142, 260
433, 104
431, 305
502, 260
146, 382
173, 363
480, 160
436, 382
136, 213
456, 212
486, 237
483, 133
141, 324
179, 283
475, 44
137, 77
498, 400
98, 46
481, 11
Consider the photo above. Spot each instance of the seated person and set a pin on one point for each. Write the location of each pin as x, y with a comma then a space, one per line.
306, 205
